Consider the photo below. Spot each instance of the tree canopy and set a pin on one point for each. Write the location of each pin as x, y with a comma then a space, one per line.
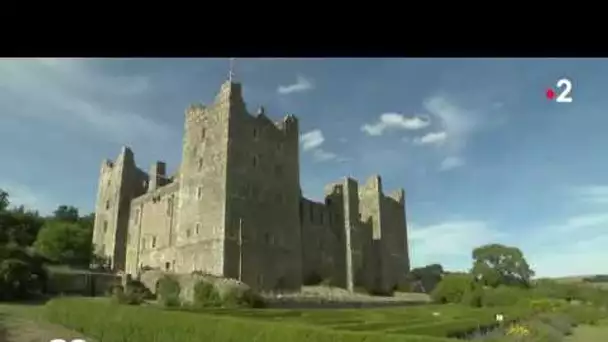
497, 264
29, 240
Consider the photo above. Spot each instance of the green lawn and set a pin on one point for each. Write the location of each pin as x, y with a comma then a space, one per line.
408, 324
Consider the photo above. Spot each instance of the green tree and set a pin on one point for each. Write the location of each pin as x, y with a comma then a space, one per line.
497, 264
65, 243
66, 213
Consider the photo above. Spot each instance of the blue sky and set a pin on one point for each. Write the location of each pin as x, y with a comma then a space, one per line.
482, 154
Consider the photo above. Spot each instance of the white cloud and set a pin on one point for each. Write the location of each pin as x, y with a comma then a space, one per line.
395, 121
75, 94
595, 194
432, 138
450, 163
302, 84
450, 243
311, 140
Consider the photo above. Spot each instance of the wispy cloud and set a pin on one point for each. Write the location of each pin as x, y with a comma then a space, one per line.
311, 140
455, 127
595, 194
72, 92
322, 155
432, 138
302, 84
395, 121
572, 247
450, 163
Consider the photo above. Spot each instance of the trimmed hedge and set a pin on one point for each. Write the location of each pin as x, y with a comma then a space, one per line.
107, 322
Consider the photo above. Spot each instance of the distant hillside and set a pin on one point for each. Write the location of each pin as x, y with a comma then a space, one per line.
600, 280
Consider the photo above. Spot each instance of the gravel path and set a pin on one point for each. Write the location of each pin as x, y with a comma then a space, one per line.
24, 323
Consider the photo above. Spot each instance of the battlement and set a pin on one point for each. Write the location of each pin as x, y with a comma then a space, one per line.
398, 196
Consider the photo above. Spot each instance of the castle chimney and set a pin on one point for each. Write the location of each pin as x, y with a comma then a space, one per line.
157, 175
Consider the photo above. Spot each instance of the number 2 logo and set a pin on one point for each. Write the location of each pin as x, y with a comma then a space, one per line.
564, 87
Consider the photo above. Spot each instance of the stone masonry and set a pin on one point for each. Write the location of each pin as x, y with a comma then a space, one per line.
235, 209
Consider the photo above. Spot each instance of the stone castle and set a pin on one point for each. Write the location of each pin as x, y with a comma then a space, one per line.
235, 209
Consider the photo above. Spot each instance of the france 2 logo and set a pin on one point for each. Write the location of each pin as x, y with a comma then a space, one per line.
563, 92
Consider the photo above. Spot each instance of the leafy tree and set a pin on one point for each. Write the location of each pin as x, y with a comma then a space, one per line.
497, 264
66, 213
65, 242
426, 278
21, 272
452, 288
4, 201
19, 226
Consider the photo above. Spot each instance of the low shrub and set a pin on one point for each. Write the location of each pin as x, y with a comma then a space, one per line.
106, 322
504, 296
546, 305
135, 293
206, 295
452, 288
243, 298
168, 291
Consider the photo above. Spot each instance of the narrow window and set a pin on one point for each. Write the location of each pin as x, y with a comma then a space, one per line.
154, 242
187, 233
105, 226
200, 164
255, 161
197, 228
203, 133
199, 193
255, 133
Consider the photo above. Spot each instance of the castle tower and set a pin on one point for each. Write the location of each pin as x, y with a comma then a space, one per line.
119, 183
202, 178
239, 184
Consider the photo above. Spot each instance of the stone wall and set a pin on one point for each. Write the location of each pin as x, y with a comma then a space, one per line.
80, 283
152, 229
320, 242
